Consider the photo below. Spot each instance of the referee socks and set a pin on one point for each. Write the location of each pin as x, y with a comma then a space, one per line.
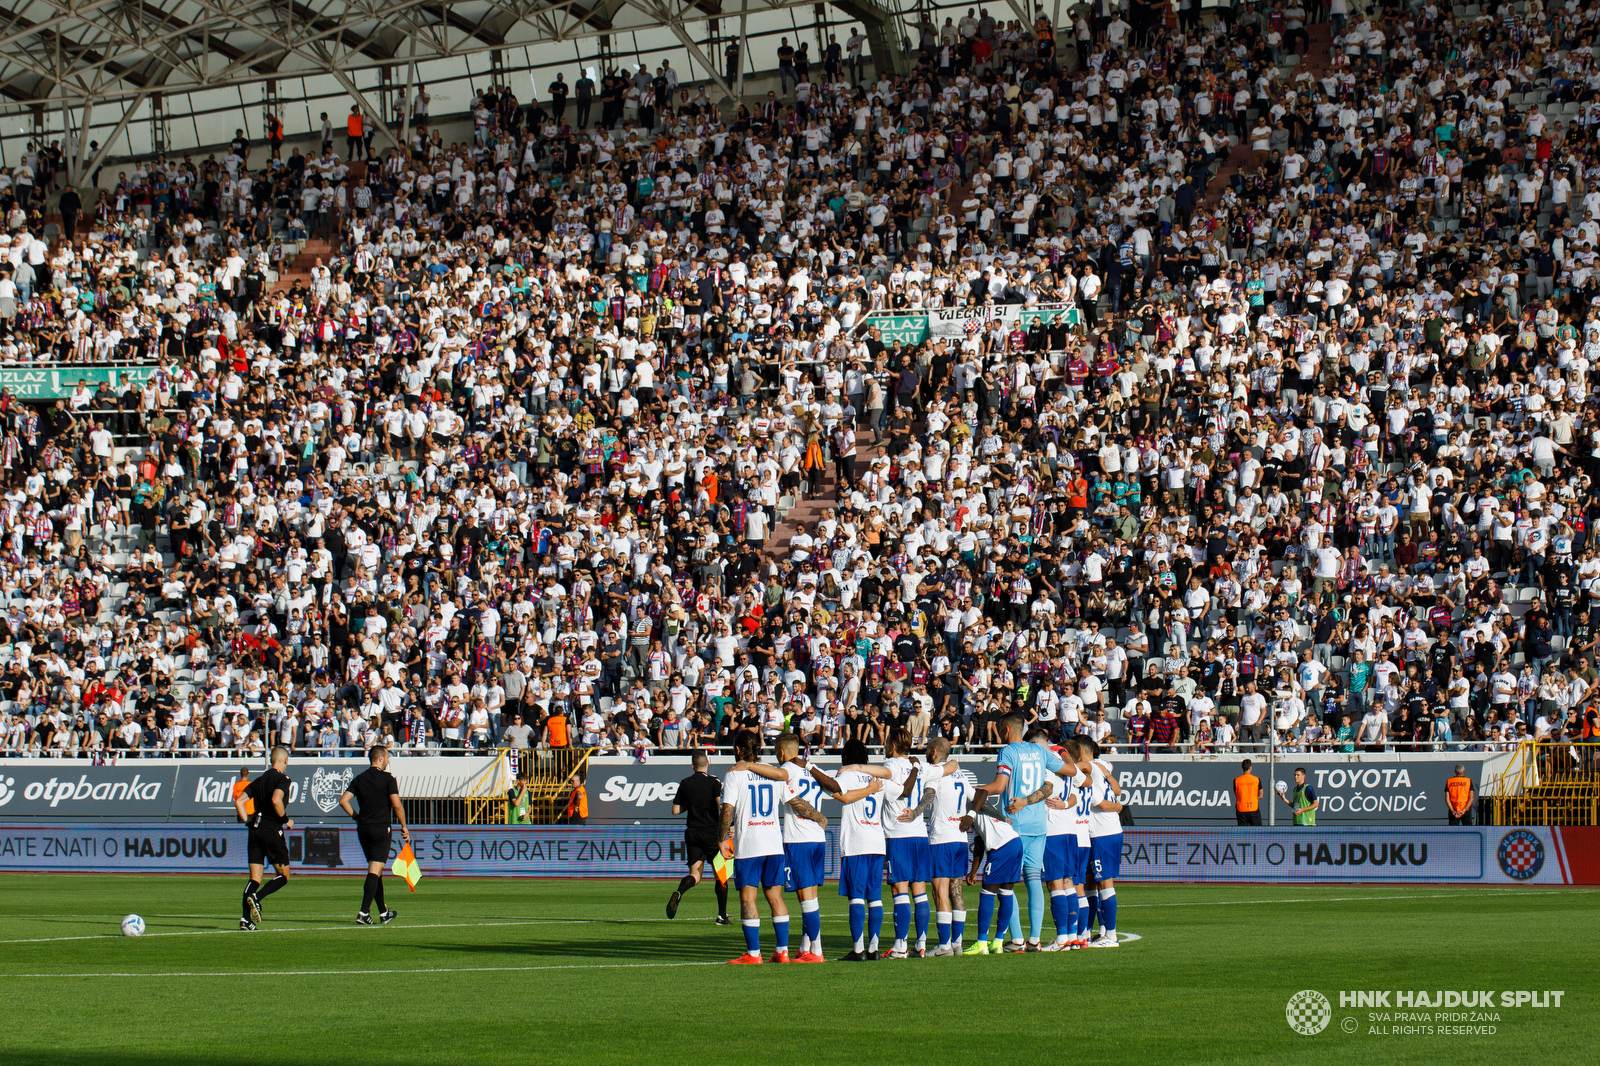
272, 886
369, 890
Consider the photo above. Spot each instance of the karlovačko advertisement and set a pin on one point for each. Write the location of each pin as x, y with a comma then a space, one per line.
1395, 855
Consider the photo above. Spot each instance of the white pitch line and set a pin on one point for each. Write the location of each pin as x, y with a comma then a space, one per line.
343, 973
352, 927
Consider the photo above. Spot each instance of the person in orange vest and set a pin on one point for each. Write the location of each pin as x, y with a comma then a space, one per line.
577, 801
239, 786
353, 132
557, 732
1247, 796
1461, 796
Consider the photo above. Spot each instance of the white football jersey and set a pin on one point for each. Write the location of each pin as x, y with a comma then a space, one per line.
1102, 823
861, 822
755, 801
798, 830
1063, 823
951, 795
1083, 809
994, 832
899, 769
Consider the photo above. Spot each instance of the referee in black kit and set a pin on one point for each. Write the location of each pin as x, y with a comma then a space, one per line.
267, 821
700, 797
376, 794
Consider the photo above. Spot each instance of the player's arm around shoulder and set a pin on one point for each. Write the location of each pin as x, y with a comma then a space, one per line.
871, 788
870, 770
805, 810
761, 769
1038, 795
1111, 778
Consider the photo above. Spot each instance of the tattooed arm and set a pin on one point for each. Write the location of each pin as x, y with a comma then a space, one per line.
1038, 795
920, 809
805, 810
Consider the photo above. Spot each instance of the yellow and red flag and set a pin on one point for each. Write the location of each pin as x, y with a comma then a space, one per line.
405, 865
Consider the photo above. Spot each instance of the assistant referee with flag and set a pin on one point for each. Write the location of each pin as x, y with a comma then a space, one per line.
377, 796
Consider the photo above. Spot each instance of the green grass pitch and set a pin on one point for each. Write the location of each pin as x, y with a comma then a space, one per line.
490, 971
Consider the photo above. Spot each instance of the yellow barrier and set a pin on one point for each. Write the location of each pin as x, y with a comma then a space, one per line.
1548, 783
552, 774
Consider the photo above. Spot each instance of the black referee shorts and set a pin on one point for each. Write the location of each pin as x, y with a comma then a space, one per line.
701, 845
269, 846
374, 842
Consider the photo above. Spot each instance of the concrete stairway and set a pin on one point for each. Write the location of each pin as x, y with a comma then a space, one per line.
299, 268
807, 512
1318, 51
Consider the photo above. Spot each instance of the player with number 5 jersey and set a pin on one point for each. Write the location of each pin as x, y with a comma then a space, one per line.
861, 847
1105, 842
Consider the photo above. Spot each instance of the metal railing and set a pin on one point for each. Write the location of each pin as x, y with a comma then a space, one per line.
1549, 783
553, 775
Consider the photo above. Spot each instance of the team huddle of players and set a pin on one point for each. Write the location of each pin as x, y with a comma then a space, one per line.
1048, 821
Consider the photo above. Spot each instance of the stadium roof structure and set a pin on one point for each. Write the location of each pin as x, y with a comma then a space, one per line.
78, 55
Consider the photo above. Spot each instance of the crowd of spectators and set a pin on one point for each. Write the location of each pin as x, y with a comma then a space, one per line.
512, 465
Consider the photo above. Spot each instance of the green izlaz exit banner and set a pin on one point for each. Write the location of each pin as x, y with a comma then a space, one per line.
917, 326
56, 381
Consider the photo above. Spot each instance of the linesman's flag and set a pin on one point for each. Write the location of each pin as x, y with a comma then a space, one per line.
405, 865
722, 866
